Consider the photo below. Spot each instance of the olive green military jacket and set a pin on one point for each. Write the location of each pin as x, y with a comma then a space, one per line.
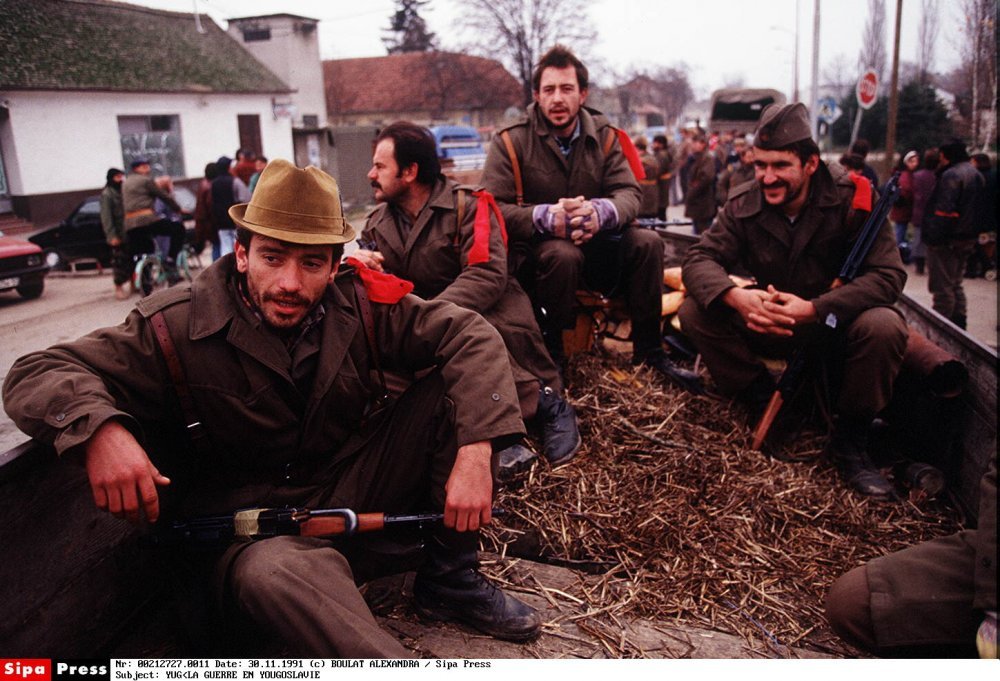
803, 258
439, 256
262, 429
549, 176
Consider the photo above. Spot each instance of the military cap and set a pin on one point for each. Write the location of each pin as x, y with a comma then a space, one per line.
781, 125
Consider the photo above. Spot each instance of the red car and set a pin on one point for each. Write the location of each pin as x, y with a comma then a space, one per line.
22, 267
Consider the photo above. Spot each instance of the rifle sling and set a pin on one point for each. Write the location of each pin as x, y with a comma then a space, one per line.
195, 429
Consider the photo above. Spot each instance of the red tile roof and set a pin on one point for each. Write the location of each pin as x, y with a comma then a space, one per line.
417, 81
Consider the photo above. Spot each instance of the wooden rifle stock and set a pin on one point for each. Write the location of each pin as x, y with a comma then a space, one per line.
767, 419
866, 238
261, 523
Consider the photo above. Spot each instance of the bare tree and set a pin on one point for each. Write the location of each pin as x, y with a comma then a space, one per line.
518, 32
873, 52
979, 62
840, 75
927, 35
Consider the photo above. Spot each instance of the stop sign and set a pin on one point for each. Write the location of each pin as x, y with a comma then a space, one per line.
867, 89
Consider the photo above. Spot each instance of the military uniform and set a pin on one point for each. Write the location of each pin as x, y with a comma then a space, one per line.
629, 260
802, 258
283, 427
927, 600
664, 177
699, 202
649, 185
467, 266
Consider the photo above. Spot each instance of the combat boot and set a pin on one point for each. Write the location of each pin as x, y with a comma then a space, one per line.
560, 433
513, 460
848, 447
450, 588
658, 361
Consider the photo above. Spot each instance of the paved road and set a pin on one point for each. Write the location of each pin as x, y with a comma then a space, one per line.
70, 307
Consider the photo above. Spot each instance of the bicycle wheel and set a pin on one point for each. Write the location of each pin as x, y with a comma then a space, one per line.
183, 265
151, 276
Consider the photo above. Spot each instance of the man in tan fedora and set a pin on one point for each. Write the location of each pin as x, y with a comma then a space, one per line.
258, 386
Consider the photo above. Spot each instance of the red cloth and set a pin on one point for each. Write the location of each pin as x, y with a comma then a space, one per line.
862, 192
480, 251
381, 287
632, 155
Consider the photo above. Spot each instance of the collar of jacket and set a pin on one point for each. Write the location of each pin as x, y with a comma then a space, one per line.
822, 192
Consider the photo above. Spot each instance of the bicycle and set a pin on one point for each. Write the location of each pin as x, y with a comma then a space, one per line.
152, 274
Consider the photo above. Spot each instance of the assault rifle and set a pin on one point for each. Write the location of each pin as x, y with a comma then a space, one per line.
792, 376
261, 523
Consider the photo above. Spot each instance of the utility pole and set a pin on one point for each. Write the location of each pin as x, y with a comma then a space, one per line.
795, 72
814, 86
890, 133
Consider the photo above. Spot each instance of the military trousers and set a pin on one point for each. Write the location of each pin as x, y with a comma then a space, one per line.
867, 354
917, 602
628, 263
945, 270
304, 590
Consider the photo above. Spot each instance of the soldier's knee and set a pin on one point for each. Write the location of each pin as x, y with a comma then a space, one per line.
558, 253
883, 325
848, 608
268, 569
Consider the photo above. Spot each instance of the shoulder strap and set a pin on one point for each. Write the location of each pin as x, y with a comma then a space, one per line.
459, 214
195, 429
368, 325
609, 139
515, 167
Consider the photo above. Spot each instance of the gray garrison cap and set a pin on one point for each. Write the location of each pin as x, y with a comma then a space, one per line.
781, 125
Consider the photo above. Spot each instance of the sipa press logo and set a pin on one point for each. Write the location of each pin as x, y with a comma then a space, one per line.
23, 669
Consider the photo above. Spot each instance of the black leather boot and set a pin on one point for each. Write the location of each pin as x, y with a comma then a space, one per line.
560, 433
658, 361
849, 448
450, 588
513, 460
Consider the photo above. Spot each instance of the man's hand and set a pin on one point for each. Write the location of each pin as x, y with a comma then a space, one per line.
789, 308
469, 490
121, 475
749, 303
371, 259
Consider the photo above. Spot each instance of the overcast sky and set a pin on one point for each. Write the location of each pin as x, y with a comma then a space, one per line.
720, 40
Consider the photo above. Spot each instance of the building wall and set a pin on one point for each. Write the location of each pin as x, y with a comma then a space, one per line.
292, 54
62, 143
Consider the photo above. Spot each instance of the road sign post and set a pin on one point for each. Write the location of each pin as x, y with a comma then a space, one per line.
867, 93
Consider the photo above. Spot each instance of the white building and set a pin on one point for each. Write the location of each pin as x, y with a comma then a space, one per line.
89, 85
287, 45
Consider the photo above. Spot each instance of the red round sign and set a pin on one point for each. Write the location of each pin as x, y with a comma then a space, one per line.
867, 89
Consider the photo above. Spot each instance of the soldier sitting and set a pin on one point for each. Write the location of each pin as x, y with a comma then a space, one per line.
792, 229
451, 243
279, 408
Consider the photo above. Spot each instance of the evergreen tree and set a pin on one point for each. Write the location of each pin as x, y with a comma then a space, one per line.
923, 120
408, 30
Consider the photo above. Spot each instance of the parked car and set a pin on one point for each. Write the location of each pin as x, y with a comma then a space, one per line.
459, 147
81, 235
22, 267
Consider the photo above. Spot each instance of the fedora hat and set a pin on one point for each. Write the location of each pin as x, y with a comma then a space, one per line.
300, 206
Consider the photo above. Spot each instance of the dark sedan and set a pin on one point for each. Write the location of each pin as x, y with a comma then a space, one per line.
80, 235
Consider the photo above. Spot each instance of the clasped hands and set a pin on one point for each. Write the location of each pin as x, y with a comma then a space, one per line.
771, 312
576, 219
